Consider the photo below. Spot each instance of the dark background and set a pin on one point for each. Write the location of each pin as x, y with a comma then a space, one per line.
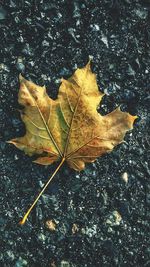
47, 40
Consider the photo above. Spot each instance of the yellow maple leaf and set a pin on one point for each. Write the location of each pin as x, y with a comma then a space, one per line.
69, 128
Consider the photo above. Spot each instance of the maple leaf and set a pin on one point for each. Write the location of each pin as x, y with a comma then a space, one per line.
69, 128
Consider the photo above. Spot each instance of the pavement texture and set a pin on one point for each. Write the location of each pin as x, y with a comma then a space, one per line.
98, 217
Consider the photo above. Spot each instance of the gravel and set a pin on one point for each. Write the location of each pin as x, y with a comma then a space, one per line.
101, 215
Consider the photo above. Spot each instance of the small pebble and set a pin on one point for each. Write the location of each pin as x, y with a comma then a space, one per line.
51, 225
114, 218
20, 67
105, 40
21, 262
125, 177
75, 228
42, 237
64, 264
10, 255
142, 13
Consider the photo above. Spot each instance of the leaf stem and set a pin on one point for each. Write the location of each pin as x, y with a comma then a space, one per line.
37, 198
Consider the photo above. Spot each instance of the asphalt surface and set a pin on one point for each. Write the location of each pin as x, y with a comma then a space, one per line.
100, 215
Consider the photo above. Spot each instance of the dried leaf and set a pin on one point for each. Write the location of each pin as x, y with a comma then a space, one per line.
70, 126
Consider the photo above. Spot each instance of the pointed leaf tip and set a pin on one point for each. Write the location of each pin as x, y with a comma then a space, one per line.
90, 58
132, 118
10, 142
88, 65
21, 78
